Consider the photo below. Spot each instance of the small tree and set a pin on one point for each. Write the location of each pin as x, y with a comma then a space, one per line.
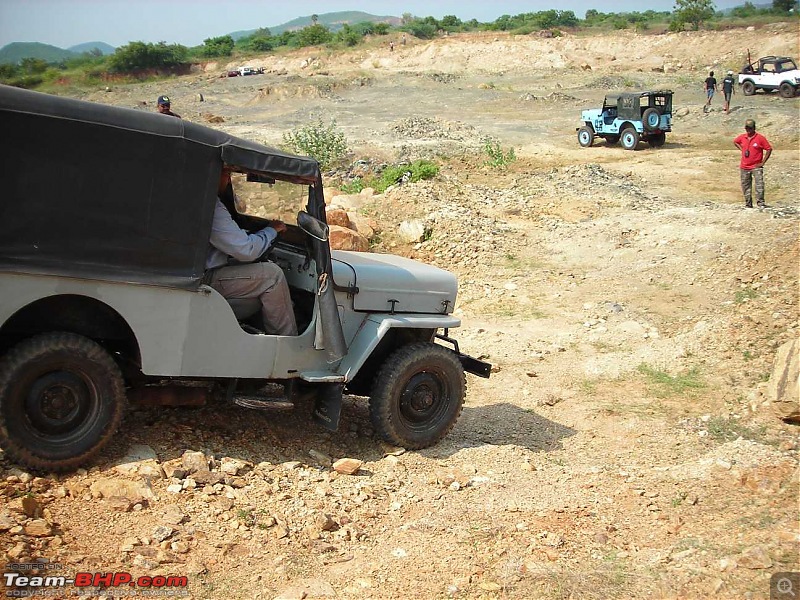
693, 12
324, 142
218, 46
784, 7
314, 35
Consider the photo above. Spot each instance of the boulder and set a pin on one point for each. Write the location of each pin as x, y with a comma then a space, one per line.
342, 238
366, 226
338, 216
412, 231
784, 383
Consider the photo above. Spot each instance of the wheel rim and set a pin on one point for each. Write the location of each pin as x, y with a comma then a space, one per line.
652, 120
627, 140
424, 399
584, 138
59, 404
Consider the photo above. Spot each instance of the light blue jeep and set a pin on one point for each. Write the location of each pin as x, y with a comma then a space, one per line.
629, 118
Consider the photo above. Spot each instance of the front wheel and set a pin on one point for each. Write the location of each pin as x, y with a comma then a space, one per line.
786, 90
418, 395
61, 400
629, 138
748, 88
585, 136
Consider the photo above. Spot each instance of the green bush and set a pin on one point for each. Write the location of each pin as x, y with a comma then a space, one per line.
498, 158
416, 171
352, 187
323, 142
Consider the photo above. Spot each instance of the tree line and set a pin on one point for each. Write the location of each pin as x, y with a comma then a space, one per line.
142, 56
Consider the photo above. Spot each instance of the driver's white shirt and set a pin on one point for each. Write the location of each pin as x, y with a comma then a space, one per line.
228, 240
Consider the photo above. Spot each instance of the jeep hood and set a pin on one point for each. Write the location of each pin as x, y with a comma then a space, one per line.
388, 283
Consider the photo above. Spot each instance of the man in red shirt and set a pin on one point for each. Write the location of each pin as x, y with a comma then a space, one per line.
755, 154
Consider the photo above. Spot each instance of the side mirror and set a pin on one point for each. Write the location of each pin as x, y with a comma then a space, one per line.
313, 226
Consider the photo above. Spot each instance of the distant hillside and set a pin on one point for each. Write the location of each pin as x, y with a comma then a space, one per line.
332, 21
16, 51
89, 46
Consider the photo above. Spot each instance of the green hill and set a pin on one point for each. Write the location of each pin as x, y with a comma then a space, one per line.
332, 21
15, 51
89, 46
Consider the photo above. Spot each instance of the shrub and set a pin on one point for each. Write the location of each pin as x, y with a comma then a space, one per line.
323, 142
498, 158
416, 171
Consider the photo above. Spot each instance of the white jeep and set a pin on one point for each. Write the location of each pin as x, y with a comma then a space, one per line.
771, 73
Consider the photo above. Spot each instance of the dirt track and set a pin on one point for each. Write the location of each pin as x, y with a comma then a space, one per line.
571, 473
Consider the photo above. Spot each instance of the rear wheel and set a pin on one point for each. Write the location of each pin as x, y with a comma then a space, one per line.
748, 88
418, 395
61, 400
786, 90
651, 119
657, 140
585, 136
629, 138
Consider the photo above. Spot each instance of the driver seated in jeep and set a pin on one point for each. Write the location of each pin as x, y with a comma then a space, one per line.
236, 269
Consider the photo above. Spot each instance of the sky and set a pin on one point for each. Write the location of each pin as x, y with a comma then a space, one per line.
66, 23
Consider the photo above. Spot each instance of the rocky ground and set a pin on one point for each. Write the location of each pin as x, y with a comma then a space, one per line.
626, 444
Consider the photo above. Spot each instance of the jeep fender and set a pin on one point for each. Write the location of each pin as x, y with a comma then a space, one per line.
635, 125
375, 327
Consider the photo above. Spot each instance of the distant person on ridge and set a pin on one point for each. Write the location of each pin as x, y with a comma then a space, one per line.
163, 107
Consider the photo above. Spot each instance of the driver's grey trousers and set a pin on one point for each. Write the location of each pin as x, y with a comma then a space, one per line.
262, 280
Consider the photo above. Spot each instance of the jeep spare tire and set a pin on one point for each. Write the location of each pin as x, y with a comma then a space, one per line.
651, 119
629, 138
585, 136
748, 88
418, 395
62, 398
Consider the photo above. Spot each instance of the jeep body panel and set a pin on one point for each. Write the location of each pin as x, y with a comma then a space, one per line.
180, 333
388, 283
375, 327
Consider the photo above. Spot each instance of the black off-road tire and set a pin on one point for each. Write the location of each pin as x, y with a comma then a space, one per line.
62, 398
418, 395
585, 136
651, 119
656, 140
748, 88
629, 138
786, 90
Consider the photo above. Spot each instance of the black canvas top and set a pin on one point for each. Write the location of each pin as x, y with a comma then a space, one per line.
101, 192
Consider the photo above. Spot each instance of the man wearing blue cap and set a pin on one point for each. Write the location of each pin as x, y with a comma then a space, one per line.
163, 107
